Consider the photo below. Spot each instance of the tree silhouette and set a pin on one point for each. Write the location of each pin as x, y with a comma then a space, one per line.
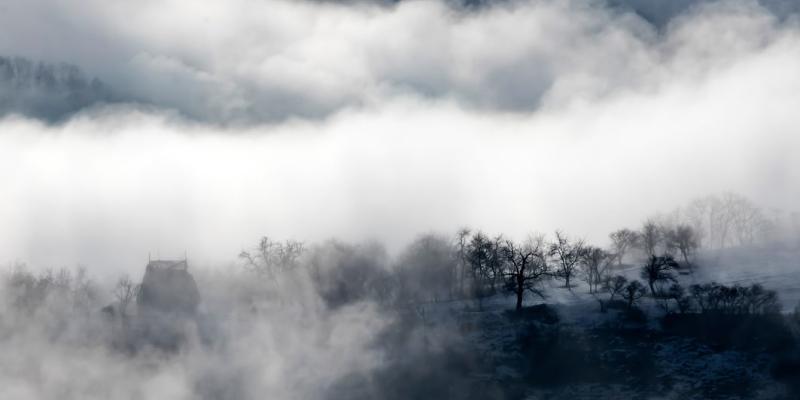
526, 267
567, 256
658, 269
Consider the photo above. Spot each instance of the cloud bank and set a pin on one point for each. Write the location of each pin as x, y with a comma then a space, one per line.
254, 62
371, 120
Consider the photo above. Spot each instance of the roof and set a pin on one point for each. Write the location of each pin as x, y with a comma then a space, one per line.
168, 264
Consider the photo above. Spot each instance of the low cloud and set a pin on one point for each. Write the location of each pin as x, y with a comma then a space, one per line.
249, 63
172, 129
310, 120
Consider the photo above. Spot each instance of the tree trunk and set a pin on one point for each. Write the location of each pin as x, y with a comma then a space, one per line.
686, 260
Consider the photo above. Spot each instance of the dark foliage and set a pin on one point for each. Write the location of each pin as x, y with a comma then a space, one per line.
657, 271
726, 331
713, 298
538, 313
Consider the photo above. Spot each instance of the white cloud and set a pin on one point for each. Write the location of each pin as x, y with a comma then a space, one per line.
245, 61
432, 123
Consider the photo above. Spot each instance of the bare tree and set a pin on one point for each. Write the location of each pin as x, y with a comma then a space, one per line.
719, 218
272, 257
613, 286
526, 267
633, 292
595, 262
622, 241
658, 269
288, 254
726, 220
125, 291
479, 257
748, 222
497, 260
567, 256
650, 237
460, 272
685, 240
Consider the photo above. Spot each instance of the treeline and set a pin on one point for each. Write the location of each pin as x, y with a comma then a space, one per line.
708, 298
474, 265
726, 220
435, 268
63, 288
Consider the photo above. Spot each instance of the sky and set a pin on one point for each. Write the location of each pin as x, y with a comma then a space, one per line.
208, 126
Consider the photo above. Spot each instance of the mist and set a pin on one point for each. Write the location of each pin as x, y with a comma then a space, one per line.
371, 134
108, 187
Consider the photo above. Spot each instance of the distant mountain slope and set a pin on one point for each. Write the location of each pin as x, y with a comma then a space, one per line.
51, 92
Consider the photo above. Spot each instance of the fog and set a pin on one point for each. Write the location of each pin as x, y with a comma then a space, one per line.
109, 186
132, 131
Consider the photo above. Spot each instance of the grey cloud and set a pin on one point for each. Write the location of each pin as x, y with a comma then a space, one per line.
46, 91
246, 63
479, 124
661, 13
211, 124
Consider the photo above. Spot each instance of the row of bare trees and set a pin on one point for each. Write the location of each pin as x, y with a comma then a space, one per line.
658, 273
522, 266
711, 222
62, 292
435, 268
725, 220
271, 257
473, 264
654, 238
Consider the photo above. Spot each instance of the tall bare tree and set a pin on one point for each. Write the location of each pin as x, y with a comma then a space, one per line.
595, 263
272, 257
497, 260
650, 237
462, 267
685, 240
526, 267
622, 241
125, 292
728, 219
748, 221
567, 255
479, 256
